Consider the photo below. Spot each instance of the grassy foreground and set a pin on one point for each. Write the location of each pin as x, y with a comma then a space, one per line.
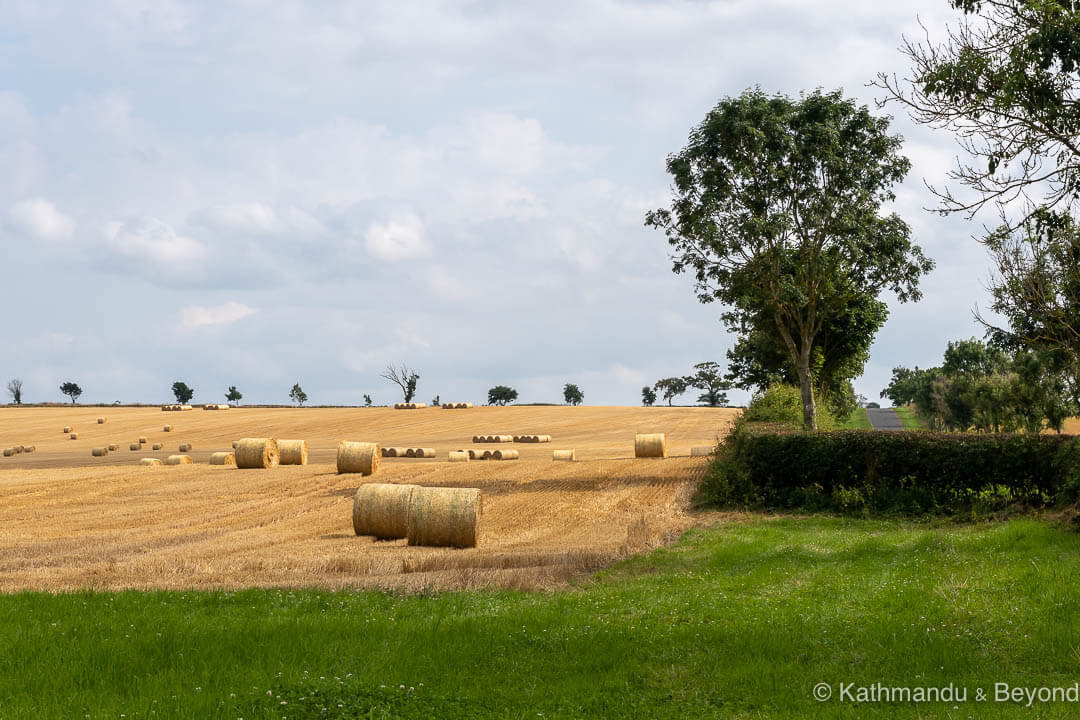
740, 621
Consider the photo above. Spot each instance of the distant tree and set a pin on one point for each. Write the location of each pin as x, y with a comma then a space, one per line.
872, 405
182, 392
435, 401
298, 395
72, 390
367, 400
670, 387
572, 394
501, 395
404, 377
648, 396
709, 379
14, 387
233, 395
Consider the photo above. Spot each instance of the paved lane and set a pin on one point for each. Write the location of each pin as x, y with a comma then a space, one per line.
884, 419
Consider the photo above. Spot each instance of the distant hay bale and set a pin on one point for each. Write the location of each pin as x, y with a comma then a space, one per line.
143, 440
19, 449
650, 445
67, 429
293, 452
166, 428
74, 436
485, 455
99, 451
409, 406
443, 516
425, 452
9, 452
29, 448
134, 446
459, 456
101, 421
184, 447
477, 438
223, 458
701, 450
418, 406
567, 455
157, 446
519, 438
150, 462
178, 460
257, 453
215, 407
184, 407
113, 447
394, 452
504, 455
382, 510
410, 452
541, 438
358, 457
475, 454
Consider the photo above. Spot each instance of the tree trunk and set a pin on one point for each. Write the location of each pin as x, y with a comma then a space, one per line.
806, 385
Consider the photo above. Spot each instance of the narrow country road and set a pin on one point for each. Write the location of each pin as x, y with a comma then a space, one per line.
884, 419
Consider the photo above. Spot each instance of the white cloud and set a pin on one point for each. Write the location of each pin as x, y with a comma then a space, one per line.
40, 218
154, 240
399, 238
195, 316
258, 218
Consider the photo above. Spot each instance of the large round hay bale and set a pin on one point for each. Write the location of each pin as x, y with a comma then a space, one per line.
292, 452
444, 516
459, 456
178, 460
19, 449
257, 453
410, 452
701, 450
358, 457
393, 452
475, 454
74, 436
184, 407
9, 452
567, 455
150, 462
223, 458
134, 446
185, 447
29, 448
113, 447
419, 406
478, 438
67, 429
424, 452
101, 420
541, 438
158, 446
143, 440
650, 445
382, 510
99, 451
504, 455
166, 428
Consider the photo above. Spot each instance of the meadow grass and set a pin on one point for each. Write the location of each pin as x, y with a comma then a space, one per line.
738, 621
909, 418
858, 420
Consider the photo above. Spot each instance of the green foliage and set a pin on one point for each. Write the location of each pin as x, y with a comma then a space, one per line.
778, 215
501, 395
710, 379
367, 400
298, 395
72, 390
912, 472
404, 377
779, 404
436, 401
648, 396
572, 394
182, 392
233, 395
670, 387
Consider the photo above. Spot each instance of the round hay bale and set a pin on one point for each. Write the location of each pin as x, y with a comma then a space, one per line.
257, 453
134, 446
650, 445
478, 438
358, 457
444, 516
185, 447
293, 452
184, 407
394, 452
486, 455
701, 450
67, 429
150, 462
382, 510
223, 458
143, 440
99, 451
542, 438
459, 456
74, 436
101, 421
166, 428
178, 460
9, 452
410, 452
157, 446
113, 447
567, 455
424, 452
520, 438
19, 449
29, 448
419, 406
504, 455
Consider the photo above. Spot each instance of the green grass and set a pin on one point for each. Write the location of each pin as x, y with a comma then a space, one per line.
857, 421
737, 622
909, 418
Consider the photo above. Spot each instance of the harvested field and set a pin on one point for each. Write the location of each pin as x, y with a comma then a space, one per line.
115, 525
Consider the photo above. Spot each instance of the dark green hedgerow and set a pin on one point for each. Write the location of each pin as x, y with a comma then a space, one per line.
771, 466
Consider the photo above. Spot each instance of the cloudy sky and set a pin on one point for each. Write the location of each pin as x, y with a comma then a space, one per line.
259, 193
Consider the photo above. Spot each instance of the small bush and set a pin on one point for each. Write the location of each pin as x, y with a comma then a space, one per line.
778, 404
911, 472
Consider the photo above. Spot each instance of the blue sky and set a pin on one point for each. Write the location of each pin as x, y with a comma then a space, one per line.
237, 194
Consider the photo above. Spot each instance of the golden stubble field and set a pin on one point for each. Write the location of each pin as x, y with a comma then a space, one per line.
70, 521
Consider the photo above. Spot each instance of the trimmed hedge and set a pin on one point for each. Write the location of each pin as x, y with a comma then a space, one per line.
772, 466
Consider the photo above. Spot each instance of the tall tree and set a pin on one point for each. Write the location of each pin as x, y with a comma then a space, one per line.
14, 388
670, 388
1005, 83
72, 390
233, 395
298, 395
648, 396
710, 380
182, 392
778, 213
404, 377
572, 394
501, 395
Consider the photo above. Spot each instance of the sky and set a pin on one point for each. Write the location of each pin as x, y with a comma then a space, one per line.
262, 194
